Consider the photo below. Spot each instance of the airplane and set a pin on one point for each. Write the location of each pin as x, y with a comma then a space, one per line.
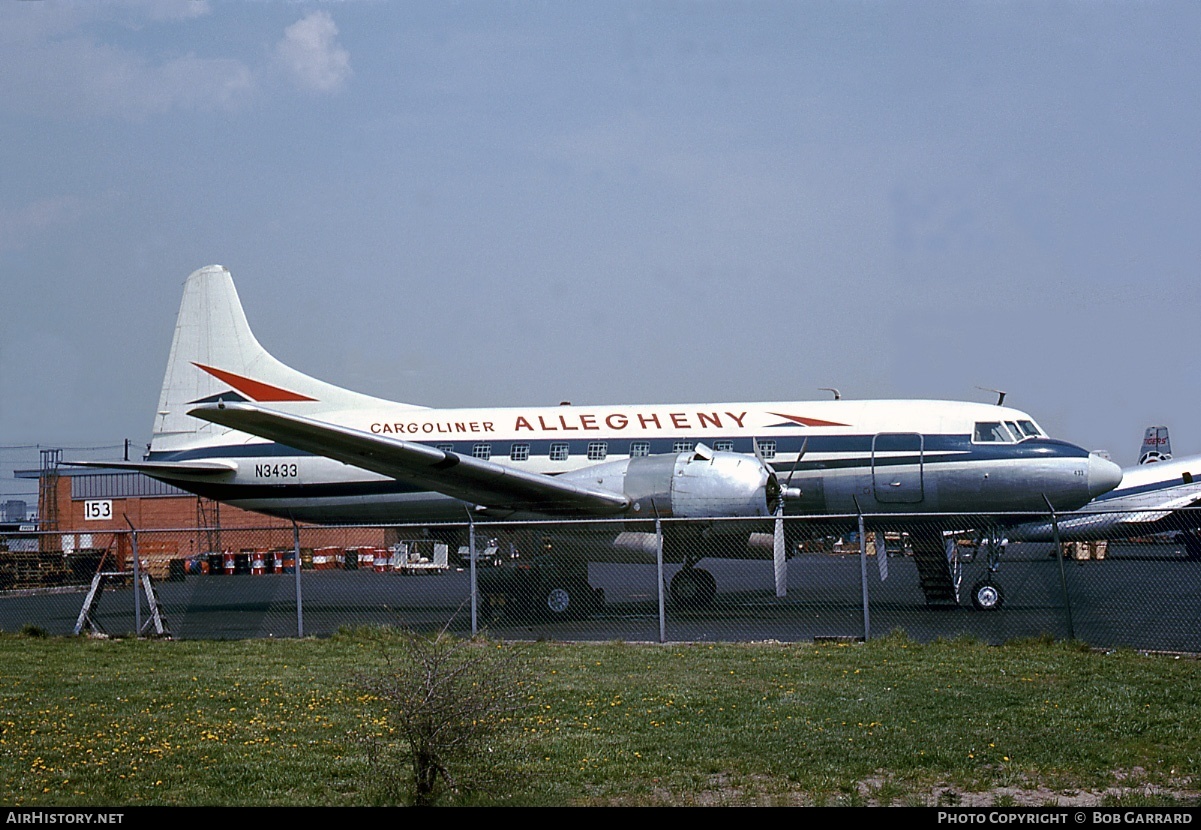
1157, 445
236, 425
1152, 498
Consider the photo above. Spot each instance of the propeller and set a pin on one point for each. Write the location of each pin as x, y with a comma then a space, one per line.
778, 548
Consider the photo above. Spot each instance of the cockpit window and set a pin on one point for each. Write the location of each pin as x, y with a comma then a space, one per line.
1030, 429
992, 432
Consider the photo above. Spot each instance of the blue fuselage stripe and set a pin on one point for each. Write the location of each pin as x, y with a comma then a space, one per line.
936, 448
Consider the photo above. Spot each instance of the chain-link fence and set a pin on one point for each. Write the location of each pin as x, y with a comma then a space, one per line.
1111, 580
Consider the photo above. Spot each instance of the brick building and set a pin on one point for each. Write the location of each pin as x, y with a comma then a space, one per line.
86, 515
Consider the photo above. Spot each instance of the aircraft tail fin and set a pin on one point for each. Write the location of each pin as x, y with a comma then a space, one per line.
1156, 445
215, 356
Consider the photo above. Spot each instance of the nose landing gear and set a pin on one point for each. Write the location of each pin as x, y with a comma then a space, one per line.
987, 595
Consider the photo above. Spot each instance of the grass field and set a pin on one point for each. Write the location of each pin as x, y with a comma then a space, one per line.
281, 722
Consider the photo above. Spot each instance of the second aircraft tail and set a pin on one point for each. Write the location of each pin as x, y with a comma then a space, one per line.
1156, 446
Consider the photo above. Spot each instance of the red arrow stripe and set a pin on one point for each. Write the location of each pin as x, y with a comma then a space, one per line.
254, 389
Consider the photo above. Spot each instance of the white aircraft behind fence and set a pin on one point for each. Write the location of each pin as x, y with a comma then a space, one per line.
236, 425
1153, 497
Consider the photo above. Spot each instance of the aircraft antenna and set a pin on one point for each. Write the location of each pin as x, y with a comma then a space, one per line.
837, 394
1000, 394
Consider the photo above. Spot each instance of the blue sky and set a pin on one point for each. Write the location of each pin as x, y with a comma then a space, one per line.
525, 202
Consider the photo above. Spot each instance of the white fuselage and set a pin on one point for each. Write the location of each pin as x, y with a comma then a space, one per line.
874, 456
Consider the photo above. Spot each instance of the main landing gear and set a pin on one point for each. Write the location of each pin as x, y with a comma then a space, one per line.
693, 588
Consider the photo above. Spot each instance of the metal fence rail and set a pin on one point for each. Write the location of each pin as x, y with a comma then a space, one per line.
794, 579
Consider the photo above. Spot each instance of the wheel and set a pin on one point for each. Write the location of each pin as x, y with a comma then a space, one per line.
987, 596
693, 588
558, 601
570, 600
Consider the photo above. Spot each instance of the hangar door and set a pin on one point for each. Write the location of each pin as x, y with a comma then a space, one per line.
897, 467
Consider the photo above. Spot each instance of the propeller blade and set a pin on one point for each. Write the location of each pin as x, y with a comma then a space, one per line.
797, 460
778, 552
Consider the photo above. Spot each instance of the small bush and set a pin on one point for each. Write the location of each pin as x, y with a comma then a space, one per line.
452, 704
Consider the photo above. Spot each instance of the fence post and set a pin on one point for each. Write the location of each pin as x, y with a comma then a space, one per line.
659, 564
137, 581
867, 620
471, 567
299, 602
1063, 579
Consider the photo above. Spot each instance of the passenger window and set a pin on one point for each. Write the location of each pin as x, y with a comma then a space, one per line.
683, 446
558, 451
767, 449
482, 451
519, 452
597, 450
640, 449
724, 445
446, 447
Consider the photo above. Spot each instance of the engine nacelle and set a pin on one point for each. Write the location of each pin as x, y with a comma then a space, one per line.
696, 484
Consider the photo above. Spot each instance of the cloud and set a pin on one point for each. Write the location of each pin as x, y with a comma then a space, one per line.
310, 55
58, 64
136, 59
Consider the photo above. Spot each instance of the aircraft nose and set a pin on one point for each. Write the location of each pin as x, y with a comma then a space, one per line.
1103, 475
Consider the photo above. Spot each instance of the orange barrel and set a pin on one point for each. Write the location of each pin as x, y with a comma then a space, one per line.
382, 561
258, 562
290, 562
277, 561
228, 562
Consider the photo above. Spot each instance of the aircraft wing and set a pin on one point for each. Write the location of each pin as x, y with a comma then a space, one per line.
1153, 506
473, 480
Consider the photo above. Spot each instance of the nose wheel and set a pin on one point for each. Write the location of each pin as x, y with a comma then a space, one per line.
987, 595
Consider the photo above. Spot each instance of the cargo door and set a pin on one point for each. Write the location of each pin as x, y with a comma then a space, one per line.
897, 467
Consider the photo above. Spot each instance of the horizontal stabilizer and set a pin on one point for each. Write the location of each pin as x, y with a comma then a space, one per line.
162, 468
